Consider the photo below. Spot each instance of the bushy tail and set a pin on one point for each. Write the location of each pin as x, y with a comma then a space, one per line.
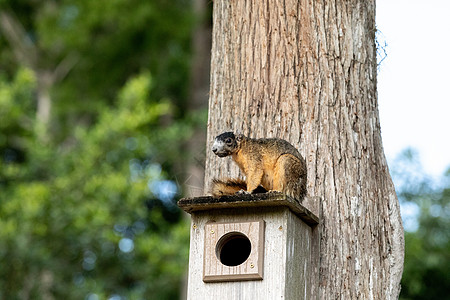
231, 186
227, 187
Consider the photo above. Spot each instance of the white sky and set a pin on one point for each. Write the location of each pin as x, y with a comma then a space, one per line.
414, 80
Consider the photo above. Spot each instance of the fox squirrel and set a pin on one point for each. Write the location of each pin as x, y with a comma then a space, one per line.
269, 165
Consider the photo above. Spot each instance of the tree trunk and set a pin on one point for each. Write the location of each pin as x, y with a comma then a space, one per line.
44, 101
29, 54
305, 71
198, 99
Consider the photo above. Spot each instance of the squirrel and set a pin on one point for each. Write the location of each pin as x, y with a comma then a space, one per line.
270, 164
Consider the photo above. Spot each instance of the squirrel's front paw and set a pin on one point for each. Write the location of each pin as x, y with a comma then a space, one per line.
274, 192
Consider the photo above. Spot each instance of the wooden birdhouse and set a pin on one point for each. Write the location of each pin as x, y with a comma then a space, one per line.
261, 246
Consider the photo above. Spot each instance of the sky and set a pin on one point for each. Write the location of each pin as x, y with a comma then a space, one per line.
414, 80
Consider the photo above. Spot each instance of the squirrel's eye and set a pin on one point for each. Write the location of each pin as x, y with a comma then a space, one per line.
228, 141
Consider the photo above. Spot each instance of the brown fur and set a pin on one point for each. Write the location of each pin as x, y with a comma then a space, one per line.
272, 163
227, 187
231, 186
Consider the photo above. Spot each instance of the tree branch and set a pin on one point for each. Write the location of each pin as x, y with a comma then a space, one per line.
64, 67
23, 47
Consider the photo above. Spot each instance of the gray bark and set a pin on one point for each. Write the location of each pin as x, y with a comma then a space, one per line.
305, 71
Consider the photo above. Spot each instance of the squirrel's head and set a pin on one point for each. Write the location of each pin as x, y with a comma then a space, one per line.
226, 144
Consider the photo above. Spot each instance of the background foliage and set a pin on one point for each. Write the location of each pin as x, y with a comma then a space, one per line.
426, 216
87, 200
87, 197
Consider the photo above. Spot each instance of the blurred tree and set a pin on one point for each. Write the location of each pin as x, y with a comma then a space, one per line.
426, 213
94, 216
90, 48
87, 195
199, 94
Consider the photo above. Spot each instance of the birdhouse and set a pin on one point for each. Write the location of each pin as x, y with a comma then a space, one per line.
251, 246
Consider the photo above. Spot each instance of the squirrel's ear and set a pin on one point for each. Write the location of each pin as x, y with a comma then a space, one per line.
239, 137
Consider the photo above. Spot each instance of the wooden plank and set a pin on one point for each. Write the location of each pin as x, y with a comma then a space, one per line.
271, 199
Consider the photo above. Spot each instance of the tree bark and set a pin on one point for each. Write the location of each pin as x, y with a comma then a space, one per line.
305, 71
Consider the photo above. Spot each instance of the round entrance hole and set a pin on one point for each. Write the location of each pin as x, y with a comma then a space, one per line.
233, 249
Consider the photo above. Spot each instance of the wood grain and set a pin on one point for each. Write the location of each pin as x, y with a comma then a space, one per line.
284, 255
251, 269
